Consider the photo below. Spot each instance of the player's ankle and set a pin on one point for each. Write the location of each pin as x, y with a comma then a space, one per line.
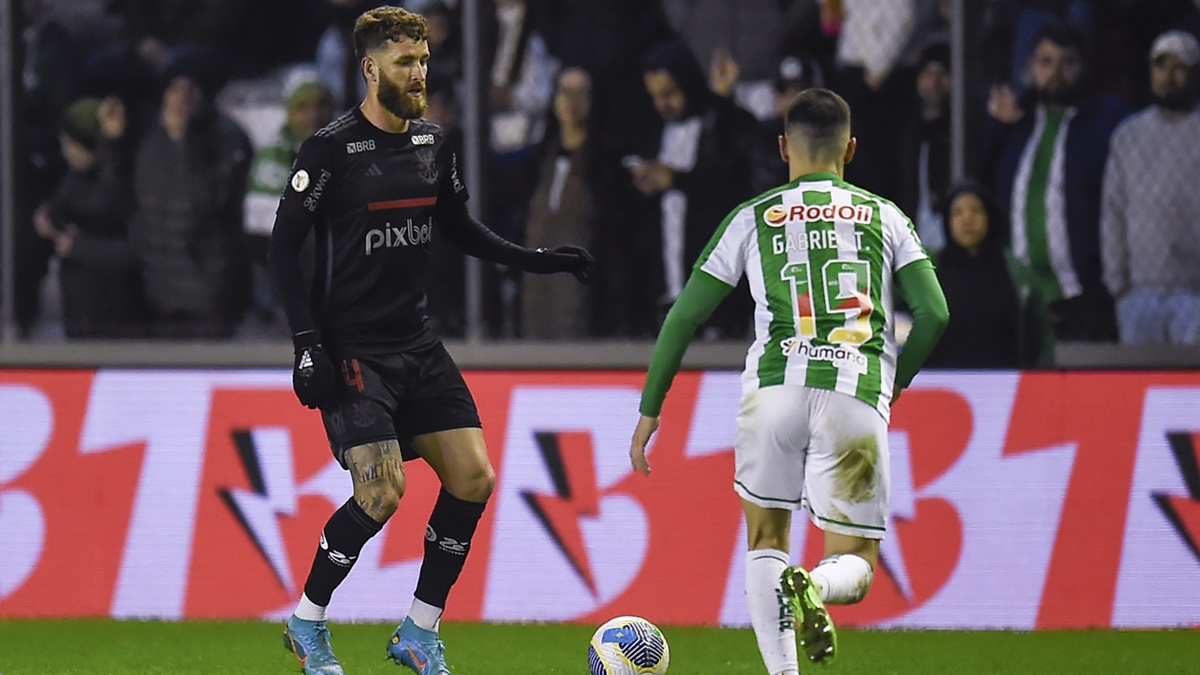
425, 616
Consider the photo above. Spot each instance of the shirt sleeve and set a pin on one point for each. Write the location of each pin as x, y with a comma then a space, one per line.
300, 208
452, 190
475, 239
901, 235
696, 302
920, 288
725, 256
1114, 250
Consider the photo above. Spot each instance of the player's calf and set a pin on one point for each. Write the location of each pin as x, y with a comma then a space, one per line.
843, 579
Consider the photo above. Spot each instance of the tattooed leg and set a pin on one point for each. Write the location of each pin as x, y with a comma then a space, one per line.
377, 471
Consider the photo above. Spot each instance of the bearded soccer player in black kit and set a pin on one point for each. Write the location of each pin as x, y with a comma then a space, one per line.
377, 184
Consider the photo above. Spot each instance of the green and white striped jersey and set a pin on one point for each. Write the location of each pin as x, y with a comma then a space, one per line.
819, 255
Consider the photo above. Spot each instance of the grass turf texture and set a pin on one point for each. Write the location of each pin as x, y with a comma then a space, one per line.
49, 647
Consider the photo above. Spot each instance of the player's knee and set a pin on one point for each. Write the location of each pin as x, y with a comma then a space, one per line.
380, 500
483, 483
395, 480
476, 486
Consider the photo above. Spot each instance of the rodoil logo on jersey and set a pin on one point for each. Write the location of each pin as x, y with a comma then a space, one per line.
779, 215
392, 236
842, 357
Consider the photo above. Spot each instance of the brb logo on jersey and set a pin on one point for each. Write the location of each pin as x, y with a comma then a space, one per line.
355, 147
393, 237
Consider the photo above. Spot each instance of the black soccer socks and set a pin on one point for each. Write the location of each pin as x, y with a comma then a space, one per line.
447, 540
341, 541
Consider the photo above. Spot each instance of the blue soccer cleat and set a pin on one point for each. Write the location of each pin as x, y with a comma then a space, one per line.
419, 649
309, 641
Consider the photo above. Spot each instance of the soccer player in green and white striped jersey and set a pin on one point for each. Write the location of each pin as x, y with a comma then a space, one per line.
822, 258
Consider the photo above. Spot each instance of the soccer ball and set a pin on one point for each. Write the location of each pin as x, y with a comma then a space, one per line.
628, 645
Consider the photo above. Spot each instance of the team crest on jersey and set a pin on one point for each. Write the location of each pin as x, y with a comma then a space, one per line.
300, 181
427, 165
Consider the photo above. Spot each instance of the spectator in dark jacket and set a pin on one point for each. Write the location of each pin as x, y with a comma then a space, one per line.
925, 147
701, 171
189, 184
565, 206
973, 270
1050, 148
86, 220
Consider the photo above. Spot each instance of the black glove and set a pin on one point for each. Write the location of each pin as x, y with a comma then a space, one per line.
573, 259
313, 377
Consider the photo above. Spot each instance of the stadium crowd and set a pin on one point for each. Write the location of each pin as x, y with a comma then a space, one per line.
156, 135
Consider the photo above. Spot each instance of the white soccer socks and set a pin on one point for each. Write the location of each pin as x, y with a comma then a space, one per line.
842, 579
425, 615
309, 610
769, 612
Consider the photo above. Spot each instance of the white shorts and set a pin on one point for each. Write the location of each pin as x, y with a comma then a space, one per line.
800, 447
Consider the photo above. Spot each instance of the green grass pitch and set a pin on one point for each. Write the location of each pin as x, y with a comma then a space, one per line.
48, 647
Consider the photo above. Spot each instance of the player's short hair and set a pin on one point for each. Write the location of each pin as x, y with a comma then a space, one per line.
819, 116
387, 24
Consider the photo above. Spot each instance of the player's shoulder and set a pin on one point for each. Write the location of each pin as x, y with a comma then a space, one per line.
746, 212
327, 142
342, 126
329, 136
424, 126
888, 211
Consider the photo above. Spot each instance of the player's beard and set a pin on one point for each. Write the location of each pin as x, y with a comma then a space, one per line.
399, 102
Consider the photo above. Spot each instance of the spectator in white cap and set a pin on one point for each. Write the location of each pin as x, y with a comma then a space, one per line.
309, 106
1150, 218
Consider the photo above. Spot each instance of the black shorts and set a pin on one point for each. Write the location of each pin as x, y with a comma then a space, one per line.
398, 396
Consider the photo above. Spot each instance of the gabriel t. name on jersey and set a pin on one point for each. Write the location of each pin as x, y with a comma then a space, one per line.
373, 199
779, 216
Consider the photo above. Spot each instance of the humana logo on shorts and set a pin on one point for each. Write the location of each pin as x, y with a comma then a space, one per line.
842, 357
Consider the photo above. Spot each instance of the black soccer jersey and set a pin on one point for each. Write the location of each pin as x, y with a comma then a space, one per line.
375, 200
